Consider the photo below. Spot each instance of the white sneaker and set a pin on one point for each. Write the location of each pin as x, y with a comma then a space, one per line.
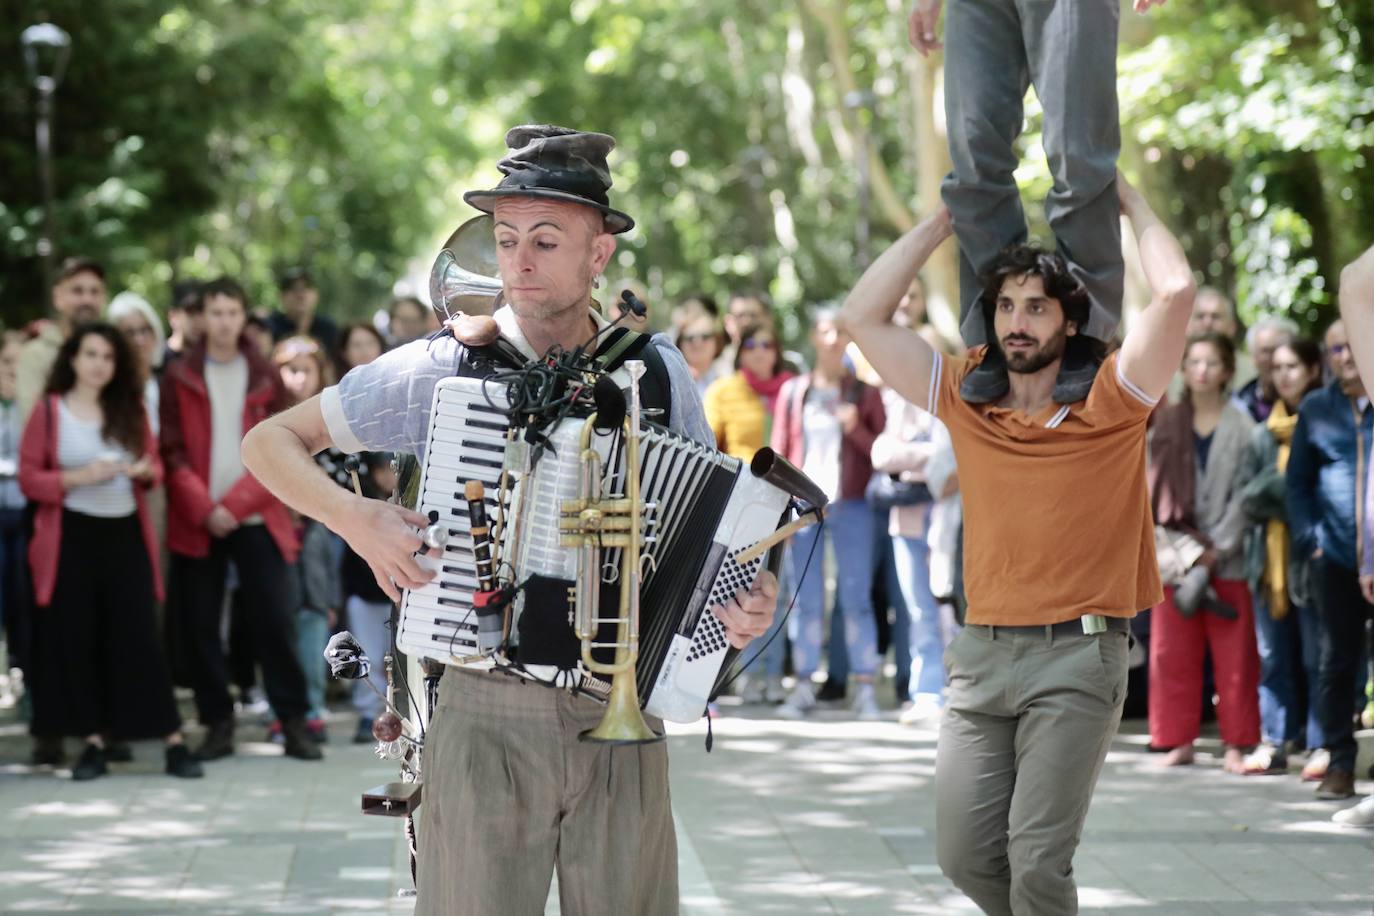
865, 703
1362, 815
924, 711
801, 701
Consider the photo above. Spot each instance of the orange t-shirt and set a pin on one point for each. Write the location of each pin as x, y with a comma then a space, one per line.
1057, 520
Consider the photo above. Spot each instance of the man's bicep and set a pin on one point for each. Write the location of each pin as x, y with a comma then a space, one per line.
306, 420
904, 361
1153, 350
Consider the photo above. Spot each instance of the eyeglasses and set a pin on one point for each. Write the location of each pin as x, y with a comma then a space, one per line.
697, 338
755, 343
1339, 349
141, 331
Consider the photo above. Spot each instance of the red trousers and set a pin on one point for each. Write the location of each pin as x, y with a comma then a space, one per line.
1178, 646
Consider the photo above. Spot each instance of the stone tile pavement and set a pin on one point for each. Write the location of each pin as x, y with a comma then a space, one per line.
818, 817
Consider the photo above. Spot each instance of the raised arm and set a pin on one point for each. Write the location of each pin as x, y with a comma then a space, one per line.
1154, 348
899, 355
1357, 310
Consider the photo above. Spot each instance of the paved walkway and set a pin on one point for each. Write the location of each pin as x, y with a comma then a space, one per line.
819, 817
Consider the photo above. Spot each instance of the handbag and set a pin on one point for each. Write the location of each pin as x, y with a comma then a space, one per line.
887, 491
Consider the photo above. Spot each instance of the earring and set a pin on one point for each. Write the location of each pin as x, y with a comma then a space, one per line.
596, 282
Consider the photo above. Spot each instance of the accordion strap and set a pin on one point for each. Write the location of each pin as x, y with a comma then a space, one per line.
655, 387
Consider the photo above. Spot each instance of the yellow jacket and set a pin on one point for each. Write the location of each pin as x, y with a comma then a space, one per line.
737, 416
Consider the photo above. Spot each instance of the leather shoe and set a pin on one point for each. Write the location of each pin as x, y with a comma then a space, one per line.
298, 741
90, 764
1338, 785
182, 764
219, 741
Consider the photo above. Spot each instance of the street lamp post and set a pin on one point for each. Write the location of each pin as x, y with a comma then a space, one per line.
46, 50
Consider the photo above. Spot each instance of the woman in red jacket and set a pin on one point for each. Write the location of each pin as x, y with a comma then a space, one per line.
87, 458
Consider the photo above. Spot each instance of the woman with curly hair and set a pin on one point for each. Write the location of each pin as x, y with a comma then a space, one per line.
87, 459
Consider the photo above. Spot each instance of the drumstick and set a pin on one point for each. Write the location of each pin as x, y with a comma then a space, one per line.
745, 557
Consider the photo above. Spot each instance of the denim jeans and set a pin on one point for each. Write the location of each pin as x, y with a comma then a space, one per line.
850, 529
312, 635
1290, 657
925, 643
1344, 669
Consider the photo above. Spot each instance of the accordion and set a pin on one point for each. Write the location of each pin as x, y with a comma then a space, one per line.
702, 510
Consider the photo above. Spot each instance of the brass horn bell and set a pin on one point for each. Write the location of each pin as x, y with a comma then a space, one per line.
465, 274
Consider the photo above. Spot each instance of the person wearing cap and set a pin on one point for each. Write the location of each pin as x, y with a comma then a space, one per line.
511, 794
78, 297
299, 301
1058, 550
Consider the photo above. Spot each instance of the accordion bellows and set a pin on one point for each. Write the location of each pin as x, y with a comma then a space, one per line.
707, 508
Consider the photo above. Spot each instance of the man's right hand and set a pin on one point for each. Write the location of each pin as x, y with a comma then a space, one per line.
921, 26
384, 534
220, 522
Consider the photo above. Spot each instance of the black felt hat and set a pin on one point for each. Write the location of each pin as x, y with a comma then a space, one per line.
558, 164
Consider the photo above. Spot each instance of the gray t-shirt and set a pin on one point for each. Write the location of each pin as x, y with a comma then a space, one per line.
227, 384
385, 405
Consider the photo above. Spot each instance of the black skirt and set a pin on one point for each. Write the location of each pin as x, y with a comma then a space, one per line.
98, 663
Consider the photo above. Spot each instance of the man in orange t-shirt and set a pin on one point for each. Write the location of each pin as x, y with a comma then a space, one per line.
1058, 549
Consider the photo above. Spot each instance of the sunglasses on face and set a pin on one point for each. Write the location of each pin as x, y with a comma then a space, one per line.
755, 343
697, 338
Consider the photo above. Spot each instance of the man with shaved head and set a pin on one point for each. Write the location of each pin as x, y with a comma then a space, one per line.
510, 792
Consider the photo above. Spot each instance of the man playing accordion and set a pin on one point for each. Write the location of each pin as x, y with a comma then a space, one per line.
510, 790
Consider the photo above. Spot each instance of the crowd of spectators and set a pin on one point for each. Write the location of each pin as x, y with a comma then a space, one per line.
128, 525
137, 553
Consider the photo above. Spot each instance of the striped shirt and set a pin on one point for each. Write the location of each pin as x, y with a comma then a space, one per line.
79, 442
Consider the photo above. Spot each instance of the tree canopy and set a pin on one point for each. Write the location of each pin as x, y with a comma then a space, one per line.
769, 145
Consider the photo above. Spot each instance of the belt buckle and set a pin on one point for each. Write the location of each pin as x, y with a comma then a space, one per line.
1093, 624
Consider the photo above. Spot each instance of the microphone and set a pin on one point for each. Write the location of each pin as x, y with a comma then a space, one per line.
610, 404
630, 304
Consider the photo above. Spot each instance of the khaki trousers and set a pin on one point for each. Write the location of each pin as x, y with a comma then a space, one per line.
511, 793
1027, 723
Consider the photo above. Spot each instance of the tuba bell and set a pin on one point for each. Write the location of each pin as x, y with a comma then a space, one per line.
465, 275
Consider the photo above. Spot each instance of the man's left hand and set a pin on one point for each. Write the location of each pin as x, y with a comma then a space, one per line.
1367, 587
749, 614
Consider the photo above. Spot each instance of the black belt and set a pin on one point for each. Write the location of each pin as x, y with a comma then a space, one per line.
1056, 630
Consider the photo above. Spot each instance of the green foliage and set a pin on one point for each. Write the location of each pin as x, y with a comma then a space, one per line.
1259, 120
241, 136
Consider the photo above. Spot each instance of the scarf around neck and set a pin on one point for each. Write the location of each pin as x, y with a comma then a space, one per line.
766, 388
1276, 542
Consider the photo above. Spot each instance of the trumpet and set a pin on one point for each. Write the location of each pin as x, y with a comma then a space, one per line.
592, 522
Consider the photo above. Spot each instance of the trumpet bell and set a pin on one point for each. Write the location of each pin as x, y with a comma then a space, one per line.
464, 276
